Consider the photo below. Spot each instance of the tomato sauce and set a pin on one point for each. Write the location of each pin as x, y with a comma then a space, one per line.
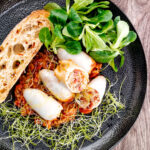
31, 79
96, 70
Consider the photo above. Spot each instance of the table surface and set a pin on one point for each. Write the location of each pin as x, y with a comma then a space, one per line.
138, 11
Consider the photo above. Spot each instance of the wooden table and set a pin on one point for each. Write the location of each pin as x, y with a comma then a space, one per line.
138, 11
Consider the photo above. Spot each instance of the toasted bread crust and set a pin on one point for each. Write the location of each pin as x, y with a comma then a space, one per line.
18, 49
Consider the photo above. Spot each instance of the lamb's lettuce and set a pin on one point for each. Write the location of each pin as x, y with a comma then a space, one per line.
73, 16
56, 43
51, 6
73, 47
57, 31
58, 16
67, 5
89, 25
122, 32
113, 65
122, 61
92, 41
93, 6
116, 20
106, 27
129, 39
67, 34
109, 37
45, 37
79, 4
103, 16
103, 56
74, 29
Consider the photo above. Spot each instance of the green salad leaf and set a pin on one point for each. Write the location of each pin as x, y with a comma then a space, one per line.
73, 47
106, 27
109, 37
74, 29
113, 65
105, 2
92, 41
52, 40
58, 16
45, 37
116, 20
51, 6
103, 56
57, 31
93, 6
65, 32
57, 43
122, 32
129, 39
73, 16
91, 25
67, 5
87, 42
122, 61
103, 16
79, 4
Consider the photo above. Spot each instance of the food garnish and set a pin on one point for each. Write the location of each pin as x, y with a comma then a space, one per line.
89, 26
23, 130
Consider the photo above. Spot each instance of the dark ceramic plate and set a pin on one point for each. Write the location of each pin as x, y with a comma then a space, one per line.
133, 92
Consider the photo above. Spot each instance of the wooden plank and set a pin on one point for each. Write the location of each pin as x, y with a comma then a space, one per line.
138, 11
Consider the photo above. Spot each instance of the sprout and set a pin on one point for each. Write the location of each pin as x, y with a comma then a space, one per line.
23, 130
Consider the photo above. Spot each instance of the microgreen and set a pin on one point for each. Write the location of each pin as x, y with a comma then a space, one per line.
23, 130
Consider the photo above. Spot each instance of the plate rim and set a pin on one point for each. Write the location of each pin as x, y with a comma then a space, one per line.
144, 60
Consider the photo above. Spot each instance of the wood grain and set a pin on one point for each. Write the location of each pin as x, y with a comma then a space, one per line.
138, 11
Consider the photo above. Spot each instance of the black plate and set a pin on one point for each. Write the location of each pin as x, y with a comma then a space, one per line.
133, 92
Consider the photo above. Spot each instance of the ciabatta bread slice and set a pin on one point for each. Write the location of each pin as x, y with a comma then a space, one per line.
18, 49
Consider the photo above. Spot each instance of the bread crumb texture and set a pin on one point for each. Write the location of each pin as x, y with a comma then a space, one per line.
18, 49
